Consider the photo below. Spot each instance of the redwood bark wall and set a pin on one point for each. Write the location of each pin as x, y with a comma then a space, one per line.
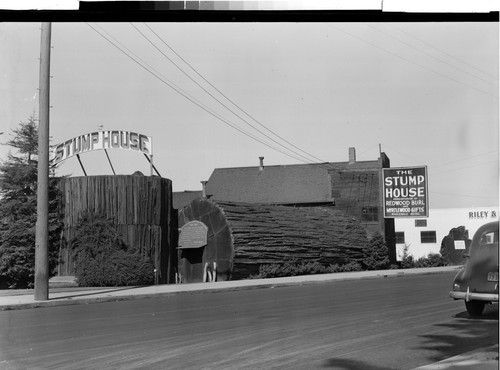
244, 236
141, 208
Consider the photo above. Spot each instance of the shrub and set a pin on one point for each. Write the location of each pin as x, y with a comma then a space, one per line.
311, 268
376, 255
407, 261
333, 268
102, 259
302, 268
432, 260
351, 266
268, 271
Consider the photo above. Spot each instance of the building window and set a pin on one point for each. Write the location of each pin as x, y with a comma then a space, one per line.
400, 237
369, 214
427, 236
420, 223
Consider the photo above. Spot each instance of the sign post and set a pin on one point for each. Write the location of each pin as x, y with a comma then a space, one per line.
405, 192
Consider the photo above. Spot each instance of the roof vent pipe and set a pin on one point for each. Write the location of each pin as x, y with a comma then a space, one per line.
352, 155
204, 188
261, 165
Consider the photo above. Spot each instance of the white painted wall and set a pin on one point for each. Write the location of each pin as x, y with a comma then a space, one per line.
441, 221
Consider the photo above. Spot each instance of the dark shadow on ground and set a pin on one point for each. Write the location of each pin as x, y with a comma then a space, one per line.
347, 364
490, 313
466, 332
69, 290
94, 291
481, 330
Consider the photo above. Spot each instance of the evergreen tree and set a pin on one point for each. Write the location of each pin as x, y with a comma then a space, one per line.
376, 255
18, 212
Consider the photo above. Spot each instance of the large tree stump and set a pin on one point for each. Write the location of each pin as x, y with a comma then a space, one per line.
243, 236
139, 206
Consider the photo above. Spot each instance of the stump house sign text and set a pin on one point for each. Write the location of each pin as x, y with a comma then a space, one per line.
405, 192
112, 139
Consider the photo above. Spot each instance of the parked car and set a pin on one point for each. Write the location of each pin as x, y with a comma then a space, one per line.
477, 281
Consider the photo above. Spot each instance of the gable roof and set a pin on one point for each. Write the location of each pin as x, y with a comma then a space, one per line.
283, 184
298, 184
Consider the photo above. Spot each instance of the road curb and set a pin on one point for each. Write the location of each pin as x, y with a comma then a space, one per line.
74, 297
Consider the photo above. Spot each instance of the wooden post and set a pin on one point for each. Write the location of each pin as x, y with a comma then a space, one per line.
81, 165
109, 160
42, 223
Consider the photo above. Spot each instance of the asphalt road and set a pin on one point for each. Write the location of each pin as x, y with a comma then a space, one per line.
371, 324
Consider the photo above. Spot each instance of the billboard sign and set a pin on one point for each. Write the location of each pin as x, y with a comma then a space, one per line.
405, 192
112, 139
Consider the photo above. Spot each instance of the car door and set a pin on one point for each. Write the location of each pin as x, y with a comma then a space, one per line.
483, 260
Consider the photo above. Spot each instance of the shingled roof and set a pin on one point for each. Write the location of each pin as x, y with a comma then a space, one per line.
300, 184
283, 184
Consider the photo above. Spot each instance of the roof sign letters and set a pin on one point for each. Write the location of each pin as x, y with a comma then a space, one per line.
112, 139
405, 192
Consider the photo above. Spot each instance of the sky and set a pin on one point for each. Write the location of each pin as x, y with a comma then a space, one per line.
426, 93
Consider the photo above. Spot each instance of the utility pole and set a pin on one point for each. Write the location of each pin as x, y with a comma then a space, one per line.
42, 222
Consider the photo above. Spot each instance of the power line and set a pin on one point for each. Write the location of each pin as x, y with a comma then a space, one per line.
433, 56
445, 53
228, 99
215, 98
157, 75
412, 62
460, 195
464, 159
431, 168
162, 78
413, 159
360, 153
463, 167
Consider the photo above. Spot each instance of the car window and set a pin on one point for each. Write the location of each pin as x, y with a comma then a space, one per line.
489, 238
